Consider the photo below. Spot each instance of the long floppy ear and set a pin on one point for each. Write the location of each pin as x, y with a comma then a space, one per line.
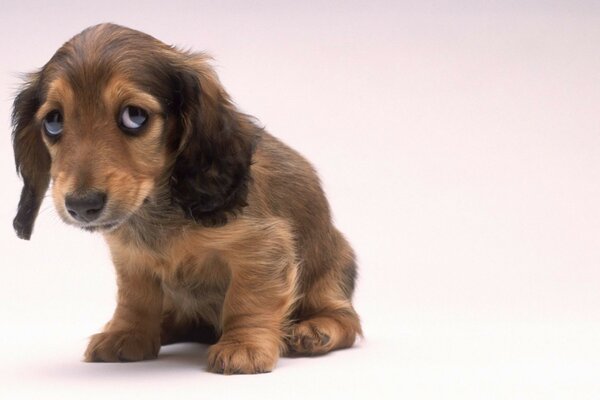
31, 156
214, 151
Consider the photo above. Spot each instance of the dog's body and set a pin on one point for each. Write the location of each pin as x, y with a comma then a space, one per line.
219, 232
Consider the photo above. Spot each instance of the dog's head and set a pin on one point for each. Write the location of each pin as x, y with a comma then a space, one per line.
116, 114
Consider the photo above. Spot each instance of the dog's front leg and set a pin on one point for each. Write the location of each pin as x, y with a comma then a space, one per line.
133, 334
257, 303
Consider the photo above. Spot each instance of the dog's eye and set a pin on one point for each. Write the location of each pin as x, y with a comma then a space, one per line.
133, 118
53, 124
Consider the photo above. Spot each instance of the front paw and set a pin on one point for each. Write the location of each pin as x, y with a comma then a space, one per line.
122, 346
231, 357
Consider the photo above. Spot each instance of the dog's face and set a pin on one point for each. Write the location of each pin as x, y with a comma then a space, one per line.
114, 119
107, 147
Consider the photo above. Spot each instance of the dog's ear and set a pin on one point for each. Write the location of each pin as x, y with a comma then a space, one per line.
31, 156
215, 144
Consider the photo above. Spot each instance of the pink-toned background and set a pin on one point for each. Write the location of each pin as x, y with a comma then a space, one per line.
459, 144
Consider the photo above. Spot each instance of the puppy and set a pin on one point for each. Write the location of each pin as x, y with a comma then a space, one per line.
219, 232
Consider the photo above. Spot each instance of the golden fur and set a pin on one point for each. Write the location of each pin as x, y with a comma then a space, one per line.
219, 232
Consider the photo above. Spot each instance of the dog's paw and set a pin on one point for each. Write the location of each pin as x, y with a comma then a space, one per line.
307, 338
239, 358
122, 346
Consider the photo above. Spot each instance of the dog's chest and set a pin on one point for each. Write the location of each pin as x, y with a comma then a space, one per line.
196, 289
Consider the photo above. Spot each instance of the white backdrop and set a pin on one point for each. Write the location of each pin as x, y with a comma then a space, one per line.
459, 144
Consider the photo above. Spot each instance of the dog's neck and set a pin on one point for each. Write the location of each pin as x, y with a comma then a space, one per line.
154, 222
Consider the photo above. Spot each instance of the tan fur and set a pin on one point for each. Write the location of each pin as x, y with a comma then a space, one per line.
276, 278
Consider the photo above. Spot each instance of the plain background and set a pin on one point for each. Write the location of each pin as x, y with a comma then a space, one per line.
459, 145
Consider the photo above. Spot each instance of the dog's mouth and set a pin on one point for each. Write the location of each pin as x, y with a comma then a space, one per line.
104, 224
106, 227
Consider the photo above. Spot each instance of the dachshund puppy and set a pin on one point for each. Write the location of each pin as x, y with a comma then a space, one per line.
219, 232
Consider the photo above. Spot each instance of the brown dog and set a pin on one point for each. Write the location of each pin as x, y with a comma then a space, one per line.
219, 232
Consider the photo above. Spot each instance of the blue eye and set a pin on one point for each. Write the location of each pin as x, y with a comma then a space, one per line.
53, 124
133, 118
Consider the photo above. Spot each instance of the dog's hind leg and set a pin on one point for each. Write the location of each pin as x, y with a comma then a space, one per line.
325, 319
328, 329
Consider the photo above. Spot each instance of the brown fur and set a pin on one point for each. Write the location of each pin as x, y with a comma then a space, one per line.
218, 231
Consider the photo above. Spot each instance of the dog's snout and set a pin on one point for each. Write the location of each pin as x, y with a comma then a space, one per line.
85, 207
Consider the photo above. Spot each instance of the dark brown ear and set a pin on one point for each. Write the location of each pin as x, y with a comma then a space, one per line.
212, 170
31, 156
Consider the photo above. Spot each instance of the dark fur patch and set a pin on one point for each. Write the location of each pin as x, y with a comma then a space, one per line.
173, 331
31, 156
28, 208
348, 282
211, 174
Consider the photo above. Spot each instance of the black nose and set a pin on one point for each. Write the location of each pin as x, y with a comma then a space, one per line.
85, 207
